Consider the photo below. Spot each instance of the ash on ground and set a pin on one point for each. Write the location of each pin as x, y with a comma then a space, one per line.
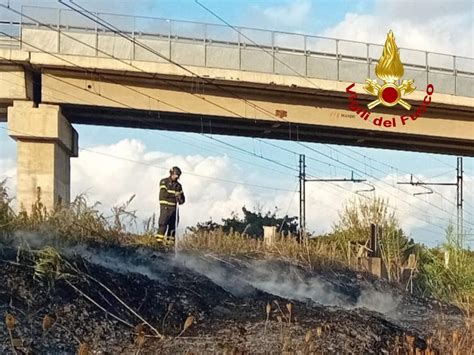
115, 300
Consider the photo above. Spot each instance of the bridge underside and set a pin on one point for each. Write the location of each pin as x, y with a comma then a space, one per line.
282, 130
41, 103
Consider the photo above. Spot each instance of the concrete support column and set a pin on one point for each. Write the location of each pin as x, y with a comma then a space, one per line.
45, 142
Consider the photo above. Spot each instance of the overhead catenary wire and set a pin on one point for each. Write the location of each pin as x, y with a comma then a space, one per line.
338, 185
409, 173
134, 161
90, 15
273, 56
293, 152
383, 182
117, 31
125, 62
199, 146
256, 44
117, 102
113, 100
166, 168
225, 180
150, 75
103, 95
136, 42
434, 190
341, 187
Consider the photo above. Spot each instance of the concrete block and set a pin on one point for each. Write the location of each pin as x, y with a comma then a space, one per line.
296, 62
37, 40
269, 235
443, 83
222, 57
353, 72
322, 68
188, 53
78, 43
25, 122
374, 265
256, 60
15, 84
35, 174
464, 86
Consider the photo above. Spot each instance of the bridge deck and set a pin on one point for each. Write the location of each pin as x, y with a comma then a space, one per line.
217, 46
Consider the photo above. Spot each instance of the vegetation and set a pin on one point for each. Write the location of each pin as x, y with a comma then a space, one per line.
433, 276
251, 224
77, 222
445, 272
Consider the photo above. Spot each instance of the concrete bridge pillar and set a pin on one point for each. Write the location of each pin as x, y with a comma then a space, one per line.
45, 142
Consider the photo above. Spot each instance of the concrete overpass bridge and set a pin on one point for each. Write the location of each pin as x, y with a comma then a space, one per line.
58, 68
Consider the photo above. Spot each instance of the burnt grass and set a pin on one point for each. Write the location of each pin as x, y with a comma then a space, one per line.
345, 311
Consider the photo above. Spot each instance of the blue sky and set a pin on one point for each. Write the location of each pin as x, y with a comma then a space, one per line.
383, 168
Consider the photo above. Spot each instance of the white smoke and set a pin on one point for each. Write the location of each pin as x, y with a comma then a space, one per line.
242, 279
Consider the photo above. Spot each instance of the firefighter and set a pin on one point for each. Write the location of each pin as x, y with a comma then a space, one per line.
171, 194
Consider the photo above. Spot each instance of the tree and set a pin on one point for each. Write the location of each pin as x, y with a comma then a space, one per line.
251, 224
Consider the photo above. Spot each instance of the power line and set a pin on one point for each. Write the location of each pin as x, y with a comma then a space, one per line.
122, 104
204, 176
165, 168
117, 31
438, 193
335, 185
228, 144
256, 44
89, 15
295, 153
267, 159
153, 77
341, 187
128, 63
199, 146
273, 56
459, 195
383, 182
135, 42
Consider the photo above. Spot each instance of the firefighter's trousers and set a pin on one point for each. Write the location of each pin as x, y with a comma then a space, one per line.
167, 222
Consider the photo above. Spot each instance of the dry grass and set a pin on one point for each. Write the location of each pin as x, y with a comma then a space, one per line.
453, 284
310, 254
80, 222
457, 342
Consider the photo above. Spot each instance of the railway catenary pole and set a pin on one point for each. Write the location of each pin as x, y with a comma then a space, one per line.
459, 196
302, 181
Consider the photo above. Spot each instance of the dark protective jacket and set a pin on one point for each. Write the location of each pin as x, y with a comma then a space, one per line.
169, 192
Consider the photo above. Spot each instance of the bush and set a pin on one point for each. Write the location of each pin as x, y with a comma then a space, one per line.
450, 279
7, 216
